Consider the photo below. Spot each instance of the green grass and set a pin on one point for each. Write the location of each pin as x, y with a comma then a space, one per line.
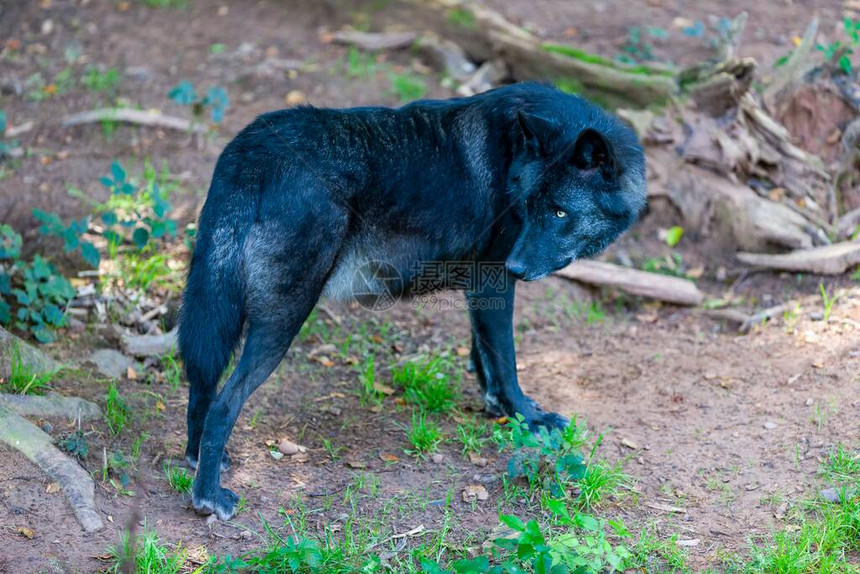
408, 87
166, 3
107, 81
600, 481
178, 479
424, 436
427, 384
25, 379
172, 369
367, 376
473, 435
147, 554
820, 536
116, 410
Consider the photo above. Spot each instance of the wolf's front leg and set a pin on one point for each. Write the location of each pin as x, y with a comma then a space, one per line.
491, 310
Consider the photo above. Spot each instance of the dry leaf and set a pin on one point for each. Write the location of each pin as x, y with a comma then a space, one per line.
160, 406
52, 488
462, 351
26, 532
355, 464
382, 388
388, 457
131, 374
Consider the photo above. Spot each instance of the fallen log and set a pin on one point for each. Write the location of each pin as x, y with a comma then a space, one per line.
643, 283
487, 35
149, 345
149, 118
35, 444
374, 41
828, 260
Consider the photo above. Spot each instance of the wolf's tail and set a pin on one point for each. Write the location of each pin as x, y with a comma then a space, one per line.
213, 308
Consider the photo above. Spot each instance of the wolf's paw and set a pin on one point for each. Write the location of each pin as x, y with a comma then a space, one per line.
226, 462
548, 420
223, 505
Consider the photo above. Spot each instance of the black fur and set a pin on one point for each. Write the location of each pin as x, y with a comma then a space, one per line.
524, 176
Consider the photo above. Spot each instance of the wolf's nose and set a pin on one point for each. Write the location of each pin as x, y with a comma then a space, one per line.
516, 269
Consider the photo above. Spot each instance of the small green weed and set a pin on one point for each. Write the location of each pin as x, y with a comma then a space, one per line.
76, 444
178, 479
103, 81
116, 410
424, 436
172, 369
408, 87
827, 301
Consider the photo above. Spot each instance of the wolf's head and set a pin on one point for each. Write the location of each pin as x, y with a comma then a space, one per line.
577, 180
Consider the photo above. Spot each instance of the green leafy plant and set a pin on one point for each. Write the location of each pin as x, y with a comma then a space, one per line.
36, 289
215, 100
427, 384
550, 460
135, 214
116, 410
76, 444
837, 54
581, 548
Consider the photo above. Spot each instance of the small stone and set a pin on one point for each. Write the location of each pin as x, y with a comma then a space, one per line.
246, 535
816, 316
211, 519
837, 495
288, 447
47, 27
438, 458
770, 425
475, 492
111, 363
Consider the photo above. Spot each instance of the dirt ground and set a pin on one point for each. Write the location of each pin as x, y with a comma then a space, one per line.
725, 429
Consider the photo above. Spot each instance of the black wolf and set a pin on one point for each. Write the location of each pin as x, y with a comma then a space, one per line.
524, 176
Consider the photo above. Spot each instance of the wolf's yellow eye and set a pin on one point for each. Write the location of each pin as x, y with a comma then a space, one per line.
561, 214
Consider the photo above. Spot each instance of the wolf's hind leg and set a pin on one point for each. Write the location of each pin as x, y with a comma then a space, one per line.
285, 274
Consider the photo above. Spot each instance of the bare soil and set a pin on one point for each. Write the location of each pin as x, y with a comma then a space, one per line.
724, 428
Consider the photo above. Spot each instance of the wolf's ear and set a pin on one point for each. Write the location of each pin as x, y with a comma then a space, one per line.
592, 151
537, 129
